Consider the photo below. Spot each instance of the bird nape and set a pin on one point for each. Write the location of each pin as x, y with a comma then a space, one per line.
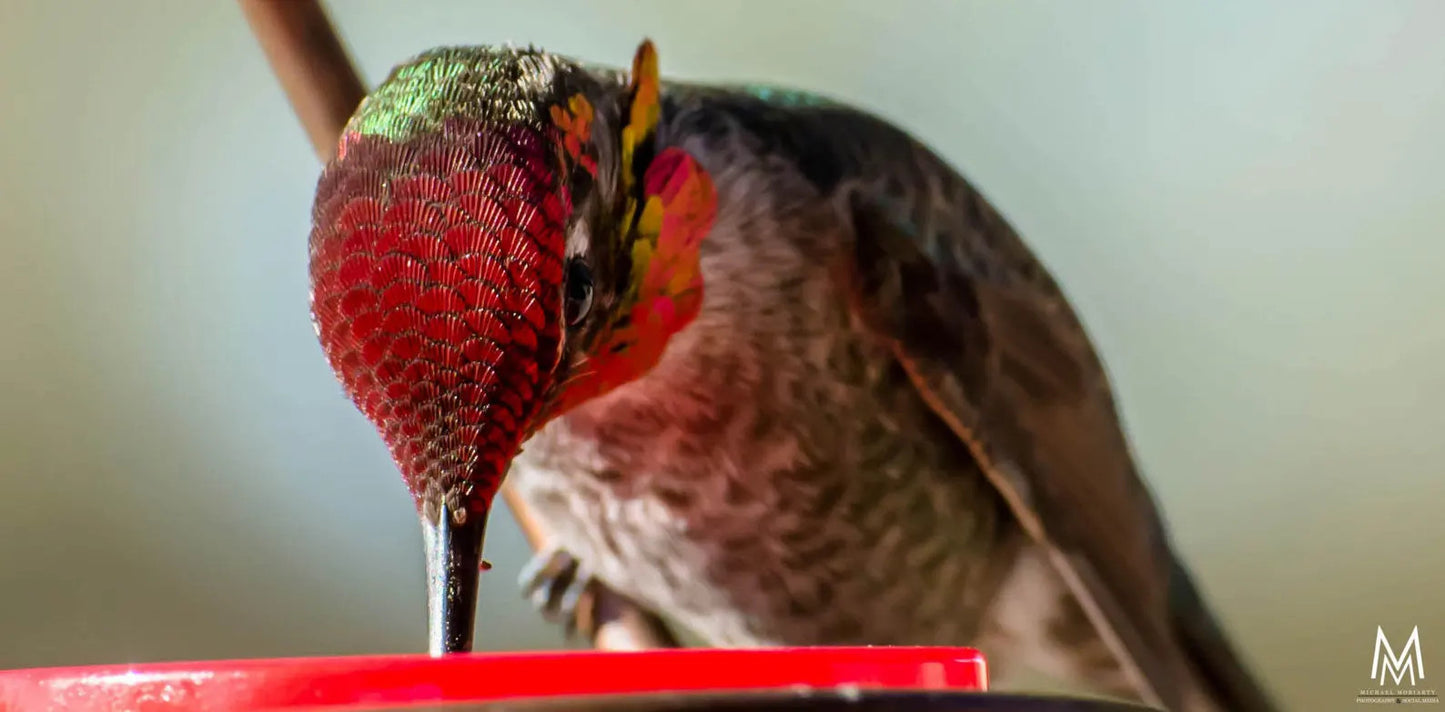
767, 364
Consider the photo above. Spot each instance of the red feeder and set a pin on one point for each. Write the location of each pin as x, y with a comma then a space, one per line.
855, 679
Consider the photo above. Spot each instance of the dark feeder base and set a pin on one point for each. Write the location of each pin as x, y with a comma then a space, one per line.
796, 680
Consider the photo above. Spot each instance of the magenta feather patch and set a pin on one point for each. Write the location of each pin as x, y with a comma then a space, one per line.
436, 267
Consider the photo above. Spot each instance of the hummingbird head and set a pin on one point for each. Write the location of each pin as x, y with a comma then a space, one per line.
496, 241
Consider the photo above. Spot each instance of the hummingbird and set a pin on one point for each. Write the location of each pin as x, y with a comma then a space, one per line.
763, 362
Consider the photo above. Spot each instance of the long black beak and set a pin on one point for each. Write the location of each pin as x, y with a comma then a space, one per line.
453, 567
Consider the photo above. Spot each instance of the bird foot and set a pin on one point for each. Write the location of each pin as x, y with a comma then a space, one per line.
562, 589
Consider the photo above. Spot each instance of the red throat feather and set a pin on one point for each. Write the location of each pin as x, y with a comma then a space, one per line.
436, 264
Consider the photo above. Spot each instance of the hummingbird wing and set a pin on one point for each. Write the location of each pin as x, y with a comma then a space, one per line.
992, 345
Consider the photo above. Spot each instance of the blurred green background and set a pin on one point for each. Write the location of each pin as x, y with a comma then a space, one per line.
1243, 199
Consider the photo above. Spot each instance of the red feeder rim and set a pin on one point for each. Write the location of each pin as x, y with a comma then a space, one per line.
341, 683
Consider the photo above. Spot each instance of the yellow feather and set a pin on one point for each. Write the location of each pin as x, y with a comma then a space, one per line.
649, 224
629, 139
646, 106
641, 256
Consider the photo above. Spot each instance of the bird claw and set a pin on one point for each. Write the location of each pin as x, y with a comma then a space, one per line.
562, 590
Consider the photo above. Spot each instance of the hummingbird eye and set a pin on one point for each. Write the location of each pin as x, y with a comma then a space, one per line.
579, 291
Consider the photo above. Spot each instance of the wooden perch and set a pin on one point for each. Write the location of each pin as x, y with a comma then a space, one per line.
324, 88
307, 56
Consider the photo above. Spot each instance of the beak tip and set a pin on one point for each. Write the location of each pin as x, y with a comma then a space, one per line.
453, 569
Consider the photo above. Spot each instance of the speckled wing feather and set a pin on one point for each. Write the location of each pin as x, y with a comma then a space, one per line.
992, 345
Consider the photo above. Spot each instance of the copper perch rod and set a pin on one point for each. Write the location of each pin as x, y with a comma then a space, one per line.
324, 88
307, 55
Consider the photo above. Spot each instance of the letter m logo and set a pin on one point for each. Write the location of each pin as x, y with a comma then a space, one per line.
1409, 661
